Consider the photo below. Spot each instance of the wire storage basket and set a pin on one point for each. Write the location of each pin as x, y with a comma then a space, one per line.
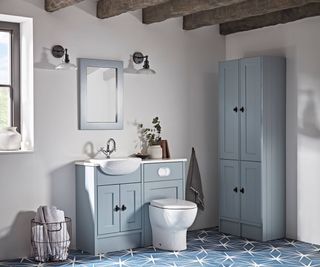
51, 241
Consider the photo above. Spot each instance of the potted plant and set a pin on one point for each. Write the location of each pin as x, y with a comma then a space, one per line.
152, 138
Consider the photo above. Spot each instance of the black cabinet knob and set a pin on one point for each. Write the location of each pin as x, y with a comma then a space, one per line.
242, 190
117, 208
235, 189
235, 109
242, 109
123, 208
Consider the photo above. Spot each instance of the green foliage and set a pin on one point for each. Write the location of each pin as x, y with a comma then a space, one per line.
4, 108
152, 135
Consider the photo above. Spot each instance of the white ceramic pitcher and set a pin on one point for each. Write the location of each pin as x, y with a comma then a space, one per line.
10, 139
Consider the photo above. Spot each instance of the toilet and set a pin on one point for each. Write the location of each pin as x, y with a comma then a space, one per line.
170, 219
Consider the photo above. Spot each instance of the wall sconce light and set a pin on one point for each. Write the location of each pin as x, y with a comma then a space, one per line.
138, 58
58, 52
130, 69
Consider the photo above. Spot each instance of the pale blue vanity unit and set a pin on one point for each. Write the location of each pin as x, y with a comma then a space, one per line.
252, 111
113, 210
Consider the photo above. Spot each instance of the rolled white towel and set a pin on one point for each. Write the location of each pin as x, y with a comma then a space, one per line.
40, 218
59, 236
52, 214
39, 245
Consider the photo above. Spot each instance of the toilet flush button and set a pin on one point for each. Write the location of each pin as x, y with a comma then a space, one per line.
162, 172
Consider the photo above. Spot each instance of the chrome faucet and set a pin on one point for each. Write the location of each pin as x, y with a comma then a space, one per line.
109, 151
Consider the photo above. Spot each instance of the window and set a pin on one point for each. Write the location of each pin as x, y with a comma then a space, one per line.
16, 78
9, 75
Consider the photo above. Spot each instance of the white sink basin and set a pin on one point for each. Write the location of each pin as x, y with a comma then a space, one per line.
118, 166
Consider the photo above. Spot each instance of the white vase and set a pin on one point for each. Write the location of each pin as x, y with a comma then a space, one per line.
10, 139
155, 152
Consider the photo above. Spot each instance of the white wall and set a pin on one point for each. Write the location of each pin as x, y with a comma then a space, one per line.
299, 42
183, 94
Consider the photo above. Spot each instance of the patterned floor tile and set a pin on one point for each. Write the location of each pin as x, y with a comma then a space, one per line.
205, 248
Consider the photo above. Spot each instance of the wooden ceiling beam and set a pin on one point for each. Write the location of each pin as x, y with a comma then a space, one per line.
53, 5
249, 8
177, 8
270, 19
111, 8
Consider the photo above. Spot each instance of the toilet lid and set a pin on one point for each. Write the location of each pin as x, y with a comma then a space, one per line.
173, 204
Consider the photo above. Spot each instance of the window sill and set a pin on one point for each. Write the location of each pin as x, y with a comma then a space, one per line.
15, 151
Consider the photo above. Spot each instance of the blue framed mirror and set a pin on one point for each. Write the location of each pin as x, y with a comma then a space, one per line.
101, 94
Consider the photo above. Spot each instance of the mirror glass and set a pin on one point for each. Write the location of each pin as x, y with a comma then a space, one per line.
101, 94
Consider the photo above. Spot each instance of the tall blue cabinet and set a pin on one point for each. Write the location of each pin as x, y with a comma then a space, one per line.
252, 110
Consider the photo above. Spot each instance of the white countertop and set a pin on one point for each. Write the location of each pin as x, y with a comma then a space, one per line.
88, 163
161, 160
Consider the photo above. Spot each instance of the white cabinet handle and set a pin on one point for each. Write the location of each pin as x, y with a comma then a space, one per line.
162, 172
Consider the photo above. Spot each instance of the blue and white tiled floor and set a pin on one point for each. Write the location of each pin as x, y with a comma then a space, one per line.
205, 248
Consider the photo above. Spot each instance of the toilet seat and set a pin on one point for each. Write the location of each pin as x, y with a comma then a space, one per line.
173, 204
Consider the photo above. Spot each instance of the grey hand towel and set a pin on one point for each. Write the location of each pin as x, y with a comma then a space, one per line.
194, 187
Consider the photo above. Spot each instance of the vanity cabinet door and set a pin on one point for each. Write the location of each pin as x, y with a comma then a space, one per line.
130, 195
229, 109
158, 190
108, 215
165, 189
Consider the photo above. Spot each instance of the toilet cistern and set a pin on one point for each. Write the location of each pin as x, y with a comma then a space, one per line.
107, 151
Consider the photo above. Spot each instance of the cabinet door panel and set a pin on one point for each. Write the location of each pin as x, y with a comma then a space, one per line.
229, 189
165, 189
250, 94
251, 196
107, 217
163, 171
158, 190
130, 195
229, 109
